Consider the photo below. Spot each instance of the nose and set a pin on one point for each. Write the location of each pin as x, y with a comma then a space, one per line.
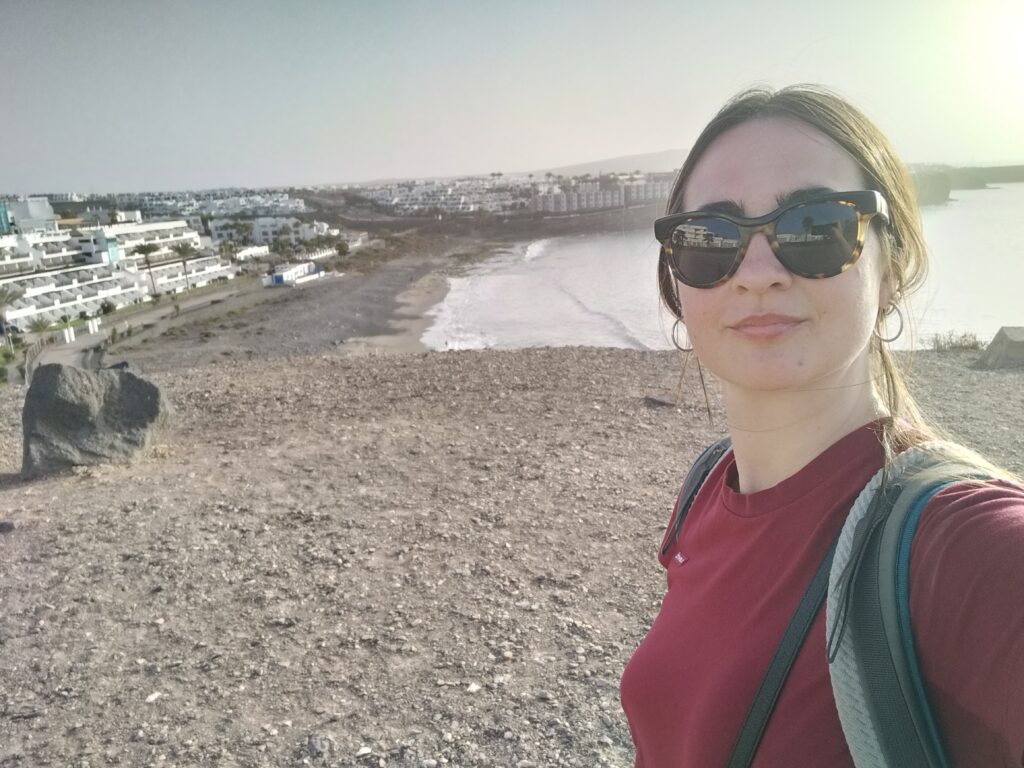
760, 269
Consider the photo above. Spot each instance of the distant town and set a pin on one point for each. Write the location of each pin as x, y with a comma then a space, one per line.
67, 257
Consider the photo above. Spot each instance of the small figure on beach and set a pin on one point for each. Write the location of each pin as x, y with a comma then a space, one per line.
844, 585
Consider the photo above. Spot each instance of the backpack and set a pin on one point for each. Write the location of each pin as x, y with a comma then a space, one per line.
879, 693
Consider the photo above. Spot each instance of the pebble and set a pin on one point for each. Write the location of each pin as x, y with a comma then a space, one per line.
319, 746
6, 526
472, 688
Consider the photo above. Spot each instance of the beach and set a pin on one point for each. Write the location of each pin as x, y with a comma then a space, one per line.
349, 550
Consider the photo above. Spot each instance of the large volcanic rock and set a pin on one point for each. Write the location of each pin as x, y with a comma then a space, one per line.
73, 417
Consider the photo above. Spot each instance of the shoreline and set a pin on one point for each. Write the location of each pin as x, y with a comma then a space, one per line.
382, 311
409, 321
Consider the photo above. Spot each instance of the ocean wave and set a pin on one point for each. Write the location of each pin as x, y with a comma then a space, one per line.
536, 249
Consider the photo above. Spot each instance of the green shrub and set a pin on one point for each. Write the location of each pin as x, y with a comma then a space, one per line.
951, 340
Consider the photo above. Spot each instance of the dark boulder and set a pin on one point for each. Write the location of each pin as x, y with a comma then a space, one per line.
73, 417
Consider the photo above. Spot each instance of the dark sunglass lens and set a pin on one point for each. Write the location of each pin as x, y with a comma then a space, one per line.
704, 249
817, 240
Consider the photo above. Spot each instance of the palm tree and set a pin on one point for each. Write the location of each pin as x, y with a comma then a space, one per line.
39, 324
243, 231
281, 247
228, 249
145, 251
8, 294
185, 251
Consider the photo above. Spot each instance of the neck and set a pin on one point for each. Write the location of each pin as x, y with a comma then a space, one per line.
777, 433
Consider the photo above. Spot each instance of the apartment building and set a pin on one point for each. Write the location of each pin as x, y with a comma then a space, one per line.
588, 195
59, 275
264, 230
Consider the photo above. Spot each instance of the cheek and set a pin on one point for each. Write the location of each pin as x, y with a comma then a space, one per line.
690, 301
849, 312
700, 310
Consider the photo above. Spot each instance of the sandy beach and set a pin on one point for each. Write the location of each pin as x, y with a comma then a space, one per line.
349, 551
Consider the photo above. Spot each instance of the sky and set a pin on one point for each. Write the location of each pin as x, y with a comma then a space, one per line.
133, 95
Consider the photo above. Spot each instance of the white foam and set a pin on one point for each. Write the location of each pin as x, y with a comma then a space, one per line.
536, 249
594, 291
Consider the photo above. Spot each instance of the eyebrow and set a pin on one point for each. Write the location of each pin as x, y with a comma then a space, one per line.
799, 195
796, 196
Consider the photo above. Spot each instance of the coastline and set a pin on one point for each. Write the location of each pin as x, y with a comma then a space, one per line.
409, 321
382, 311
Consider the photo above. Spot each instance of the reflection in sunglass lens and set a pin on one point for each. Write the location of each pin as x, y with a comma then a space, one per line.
704, 249
817, 240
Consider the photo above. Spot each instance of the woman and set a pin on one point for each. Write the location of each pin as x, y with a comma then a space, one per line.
790, 315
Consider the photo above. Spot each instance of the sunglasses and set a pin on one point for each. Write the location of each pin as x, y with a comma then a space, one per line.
816, 237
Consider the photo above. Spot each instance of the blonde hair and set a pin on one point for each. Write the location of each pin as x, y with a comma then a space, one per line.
903, 246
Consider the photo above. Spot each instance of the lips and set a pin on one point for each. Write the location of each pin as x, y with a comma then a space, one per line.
765, 326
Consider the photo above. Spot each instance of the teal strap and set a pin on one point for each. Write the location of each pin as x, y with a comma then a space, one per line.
903, 612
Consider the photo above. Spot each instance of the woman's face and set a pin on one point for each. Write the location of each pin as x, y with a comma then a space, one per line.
765, 328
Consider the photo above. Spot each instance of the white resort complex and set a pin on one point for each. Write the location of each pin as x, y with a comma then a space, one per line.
63, 274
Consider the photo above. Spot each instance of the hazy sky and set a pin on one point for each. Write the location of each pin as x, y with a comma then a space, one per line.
104, 95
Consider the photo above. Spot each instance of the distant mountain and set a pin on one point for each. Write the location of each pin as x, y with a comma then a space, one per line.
651, 162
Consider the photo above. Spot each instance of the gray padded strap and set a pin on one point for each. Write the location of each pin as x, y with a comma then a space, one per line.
912, 472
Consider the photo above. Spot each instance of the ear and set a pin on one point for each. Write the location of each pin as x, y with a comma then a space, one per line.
888, 292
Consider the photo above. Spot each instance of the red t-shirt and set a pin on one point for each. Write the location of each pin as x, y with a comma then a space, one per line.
738, 571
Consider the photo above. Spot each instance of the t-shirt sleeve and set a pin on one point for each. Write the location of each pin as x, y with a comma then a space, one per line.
967, 611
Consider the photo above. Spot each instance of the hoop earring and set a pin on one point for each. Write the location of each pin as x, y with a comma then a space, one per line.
894, 308
675, 336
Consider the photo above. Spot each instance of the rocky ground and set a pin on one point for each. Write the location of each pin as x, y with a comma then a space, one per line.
422, 559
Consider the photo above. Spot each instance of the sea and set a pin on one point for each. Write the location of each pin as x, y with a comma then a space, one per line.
600, 289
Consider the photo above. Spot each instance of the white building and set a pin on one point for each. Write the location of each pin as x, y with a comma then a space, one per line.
63, 274
264, 230
102, 216
27, 214
292, 274
252, 252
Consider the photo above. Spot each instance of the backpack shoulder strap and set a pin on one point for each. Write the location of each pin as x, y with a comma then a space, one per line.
876, 681
698, 473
